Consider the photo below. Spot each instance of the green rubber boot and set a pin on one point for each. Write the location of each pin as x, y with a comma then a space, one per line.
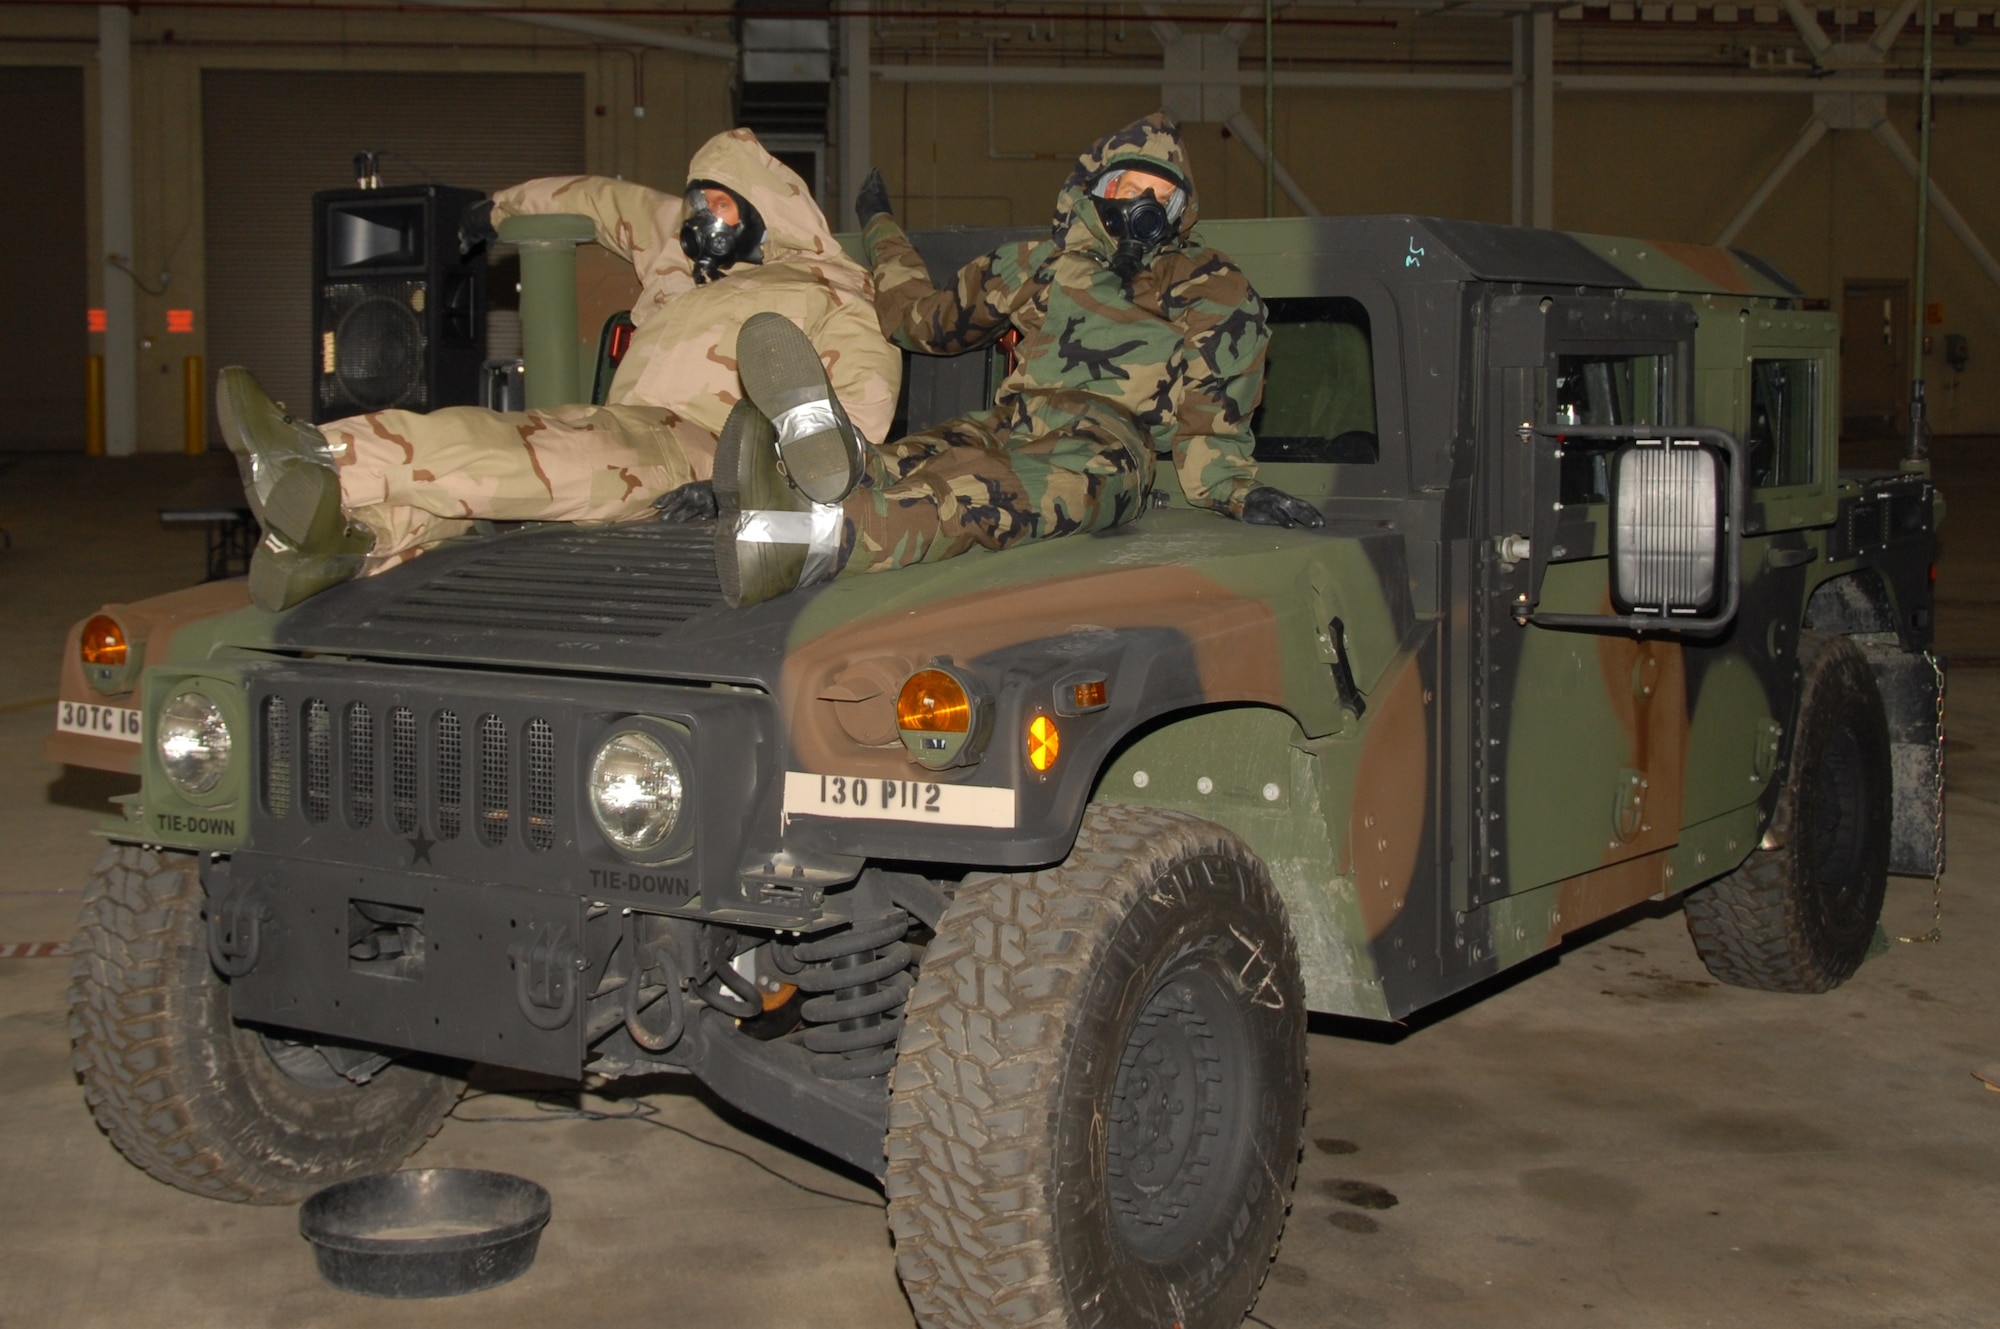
818, 447
289, 474
764, 528
282, 575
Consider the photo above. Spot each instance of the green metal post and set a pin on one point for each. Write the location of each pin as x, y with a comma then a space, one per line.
1270, 122
549, 348
1919, 446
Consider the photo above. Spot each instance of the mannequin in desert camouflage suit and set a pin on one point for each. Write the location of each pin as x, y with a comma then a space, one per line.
409, 480
1126, 350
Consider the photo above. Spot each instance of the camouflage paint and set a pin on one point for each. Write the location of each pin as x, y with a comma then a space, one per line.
1372, 808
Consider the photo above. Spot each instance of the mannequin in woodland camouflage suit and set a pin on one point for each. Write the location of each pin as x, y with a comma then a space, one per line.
1134, 340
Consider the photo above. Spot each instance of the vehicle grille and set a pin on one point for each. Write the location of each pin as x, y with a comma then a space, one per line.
437, 775
277, 766
402, 769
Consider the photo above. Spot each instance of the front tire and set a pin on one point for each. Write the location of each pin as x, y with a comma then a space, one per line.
198, 1101
1098, 1100
1800, 917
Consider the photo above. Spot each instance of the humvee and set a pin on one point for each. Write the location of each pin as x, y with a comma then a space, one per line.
1012, 880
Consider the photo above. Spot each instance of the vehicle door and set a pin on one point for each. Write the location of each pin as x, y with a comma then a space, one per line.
1577, 738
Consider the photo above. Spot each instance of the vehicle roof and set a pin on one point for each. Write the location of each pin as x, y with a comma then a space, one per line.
1437, 249
1484, 251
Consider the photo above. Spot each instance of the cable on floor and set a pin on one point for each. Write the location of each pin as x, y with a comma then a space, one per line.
548, 1107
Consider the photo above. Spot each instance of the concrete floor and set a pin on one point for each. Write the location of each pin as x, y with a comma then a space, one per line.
1611, 1139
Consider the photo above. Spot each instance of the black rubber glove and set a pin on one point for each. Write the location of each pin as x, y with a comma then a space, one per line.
475, 226
1266, 506
873, 200
691, 502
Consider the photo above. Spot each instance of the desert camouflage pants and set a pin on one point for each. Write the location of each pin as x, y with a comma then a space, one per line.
970, 482
415, 480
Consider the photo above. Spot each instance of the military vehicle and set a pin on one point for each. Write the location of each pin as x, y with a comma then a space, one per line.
1012, 880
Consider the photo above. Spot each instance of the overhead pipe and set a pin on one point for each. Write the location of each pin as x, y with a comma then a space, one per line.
1153, 76
1705, 84
623, 32
1384, 81
630, 34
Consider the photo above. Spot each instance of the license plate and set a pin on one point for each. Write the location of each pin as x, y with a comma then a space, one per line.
868, 798
82, 717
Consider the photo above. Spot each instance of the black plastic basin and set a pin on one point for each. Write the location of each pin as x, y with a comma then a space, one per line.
432, 1232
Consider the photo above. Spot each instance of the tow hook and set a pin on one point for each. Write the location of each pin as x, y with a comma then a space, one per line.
545, 978
236, 931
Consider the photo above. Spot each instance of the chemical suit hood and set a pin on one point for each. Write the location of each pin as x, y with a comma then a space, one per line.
794, 227
1150, 143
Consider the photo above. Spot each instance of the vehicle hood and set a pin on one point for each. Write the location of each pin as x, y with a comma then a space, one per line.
641, 601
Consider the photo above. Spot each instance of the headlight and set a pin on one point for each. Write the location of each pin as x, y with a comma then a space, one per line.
635, 791
193, 742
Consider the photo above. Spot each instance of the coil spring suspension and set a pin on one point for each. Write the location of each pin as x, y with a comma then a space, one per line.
860, 978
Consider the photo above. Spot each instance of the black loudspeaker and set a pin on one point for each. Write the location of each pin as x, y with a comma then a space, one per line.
399, 316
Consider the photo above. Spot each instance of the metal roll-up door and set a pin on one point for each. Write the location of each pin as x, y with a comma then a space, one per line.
44, 235
271, 139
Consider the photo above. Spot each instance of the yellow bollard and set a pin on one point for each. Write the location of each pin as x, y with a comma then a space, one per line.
194, 407
93, 406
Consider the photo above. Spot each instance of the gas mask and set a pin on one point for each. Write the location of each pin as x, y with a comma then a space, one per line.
1138, 225
713, 244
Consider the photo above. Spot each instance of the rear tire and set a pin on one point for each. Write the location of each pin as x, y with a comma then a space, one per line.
1097, 1105
200, 1102
1800, 917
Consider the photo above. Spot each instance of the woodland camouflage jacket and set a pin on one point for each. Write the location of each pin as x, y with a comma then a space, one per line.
1180, 349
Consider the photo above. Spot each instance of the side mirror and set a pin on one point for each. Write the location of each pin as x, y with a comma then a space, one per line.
1676, 531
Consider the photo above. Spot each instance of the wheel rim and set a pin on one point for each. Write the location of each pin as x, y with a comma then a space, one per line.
1174, 1139
1839, 814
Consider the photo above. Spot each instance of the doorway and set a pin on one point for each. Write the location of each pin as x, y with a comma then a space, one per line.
44, 340
1874, 357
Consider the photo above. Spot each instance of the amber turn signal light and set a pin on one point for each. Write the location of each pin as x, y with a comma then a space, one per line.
103, 641
933, 702
1044, 742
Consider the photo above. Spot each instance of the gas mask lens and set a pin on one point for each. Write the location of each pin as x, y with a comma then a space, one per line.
1139, 224
713, 243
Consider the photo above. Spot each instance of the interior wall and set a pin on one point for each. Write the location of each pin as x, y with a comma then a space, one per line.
272, 139
686, 99
1672, 169
1848, 211
42, 337
1668, 166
